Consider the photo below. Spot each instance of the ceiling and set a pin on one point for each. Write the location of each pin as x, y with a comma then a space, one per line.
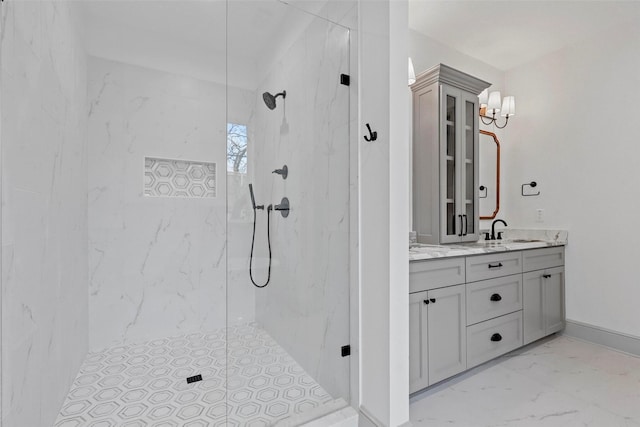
506, 34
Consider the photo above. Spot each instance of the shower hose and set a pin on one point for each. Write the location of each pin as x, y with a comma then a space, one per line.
253, 241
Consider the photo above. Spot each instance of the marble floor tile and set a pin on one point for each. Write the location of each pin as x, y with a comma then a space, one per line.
559, 381
247, 380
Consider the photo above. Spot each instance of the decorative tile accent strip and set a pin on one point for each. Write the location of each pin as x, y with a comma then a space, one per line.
179, 178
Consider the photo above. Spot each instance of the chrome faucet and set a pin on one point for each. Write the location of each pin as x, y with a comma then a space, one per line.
493, 231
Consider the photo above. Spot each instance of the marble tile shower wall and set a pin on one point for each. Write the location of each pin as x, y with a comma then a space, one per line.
157, 264
44, 214
306, 306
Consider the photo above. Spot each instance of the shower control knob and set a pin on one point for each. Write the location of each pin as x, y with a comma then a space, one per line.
284, 172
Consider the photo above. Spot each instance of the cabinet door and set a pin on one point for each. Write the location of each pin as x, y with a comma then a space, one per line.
543, 303
468, 166
447, 341
553, 300
458, 165
533, 306
451, 220
418, 343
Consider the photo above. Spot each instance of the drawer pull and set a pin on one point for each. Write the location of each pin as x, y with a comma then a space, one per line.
426, 301
496, 297
546, 276
496, 337
498, 265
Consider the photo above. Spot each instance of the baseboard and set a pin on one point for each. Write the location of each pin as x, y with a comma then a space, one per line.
315, 415
608, 338
368, 420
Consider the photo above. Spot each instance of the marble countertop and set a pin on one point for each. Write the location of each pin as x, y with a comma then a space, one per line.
514, 240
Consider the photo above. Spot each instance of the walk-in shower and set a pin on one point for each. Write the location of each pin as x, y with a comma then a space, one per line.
157, 163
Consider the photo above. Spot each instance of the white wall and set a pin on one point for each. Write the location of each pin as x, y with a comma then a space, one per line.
576, 135
384, 204
157, 264
44, 218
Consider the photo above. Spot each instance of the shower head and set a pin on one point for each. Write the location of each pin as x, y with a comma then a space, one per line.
270, 100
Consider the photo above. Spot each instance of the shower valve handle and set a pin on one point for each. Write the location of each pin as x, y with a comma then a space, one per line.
284, 207
284, 172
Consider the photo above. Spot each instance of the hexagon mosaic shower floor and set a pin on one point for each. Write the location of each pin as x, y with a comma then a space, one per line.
145, 384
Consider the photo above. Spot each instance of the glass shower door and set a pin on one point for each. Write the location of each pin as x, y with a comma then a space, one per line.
288, 265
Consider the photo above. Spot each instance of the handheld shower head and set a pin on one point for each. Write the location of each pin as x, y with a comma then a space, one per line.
253, 199
270, 100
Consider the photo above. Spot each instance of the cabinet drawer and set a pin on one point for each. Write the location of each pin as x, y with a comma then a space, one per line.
493, 298
495, 265
539, 259
493, 338
425, 275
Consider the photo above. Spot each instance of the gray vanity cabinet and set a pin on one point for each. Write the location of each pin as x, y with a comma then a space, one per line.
543, 292
543, 303
445, 155
464, 311
437, 338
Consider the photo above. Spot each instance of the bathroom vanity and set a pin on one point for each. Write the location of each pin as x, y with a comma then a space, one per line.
471, 303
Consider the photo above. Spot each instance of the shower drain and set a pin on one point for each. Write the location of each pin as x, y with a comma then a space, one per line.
194, 379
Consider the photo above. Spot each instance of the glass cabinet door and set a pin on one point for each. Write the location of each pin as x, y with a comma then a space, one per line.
468, 202
451, 122
459, 129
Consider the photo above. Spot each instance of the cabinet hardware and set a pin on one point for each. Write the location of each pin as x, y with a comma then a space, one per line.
426, 301
466, 225
498, 265
496, 297
433, 300
546, 276
460, 234
496, 337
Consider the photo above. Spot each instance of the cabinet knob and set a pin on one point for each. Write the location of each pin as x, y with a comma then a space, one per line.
496, 337
546, 276
426, 301
496, 297
433, 300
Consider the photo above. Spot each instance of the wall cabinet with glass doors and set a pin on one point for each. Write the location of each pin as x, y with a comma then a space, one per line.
445, 155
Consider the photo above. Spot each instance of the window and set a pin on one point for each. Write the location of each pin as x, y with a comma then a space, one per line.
236, 148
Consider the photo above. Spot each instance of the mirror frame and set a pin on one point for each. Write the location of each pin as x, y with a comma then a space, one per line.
495, 139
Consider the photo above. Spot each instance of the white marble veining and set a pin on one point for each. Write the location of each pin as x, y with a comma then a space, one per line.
306, 305
157, 265
557, 382
44, 218
514, 240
